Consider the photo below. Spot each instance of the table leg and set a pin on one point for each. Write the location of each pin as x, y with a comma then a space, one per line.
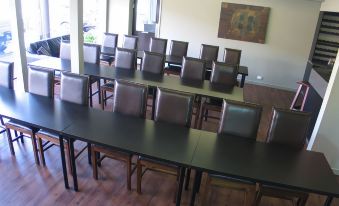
181, 184
242, 83
153, 101
63, 162
74, 171
196, 186
328, 201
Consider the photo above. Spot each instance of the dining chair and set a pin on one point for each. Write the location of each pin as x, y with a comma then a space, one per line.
6, 80
40, 82
177, 49
209, 53
158, 45
124, 59
223, 76
238, 120
109, 40
153, 63
73, 89
232, 56
192, 69
170, 107
129, 99
289, 129
130, 42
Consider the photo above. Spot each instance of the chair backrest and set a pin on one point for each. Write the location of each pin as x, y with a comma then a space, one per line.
173, 107
232, 56
158, 45
209, 52
65, 50
7, 74
130, 42
239, 119
193, 69
125, 59
91, 52
178, 48
288, 128
153, 62
74, 88
41, 81
130, 99
224, 74
110, 40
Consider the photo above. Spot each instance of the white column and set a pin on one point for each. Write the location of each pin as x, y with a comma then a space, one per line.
325, 136
77, 39
19, 41
44, 5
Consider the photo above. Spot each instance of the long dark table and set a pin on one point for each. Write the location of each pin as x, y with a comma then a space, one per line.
272, 165
242, 70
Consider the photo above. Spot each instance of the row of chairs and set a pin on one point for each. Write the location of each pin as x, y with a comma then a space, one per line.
241, 120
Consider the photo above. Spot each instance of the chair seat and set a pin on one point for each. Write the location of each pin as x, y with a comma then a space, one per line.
108, 86
231, 179
106, 58
282, 191
166, 165
115, 154
12, 124
173, 69
47, 133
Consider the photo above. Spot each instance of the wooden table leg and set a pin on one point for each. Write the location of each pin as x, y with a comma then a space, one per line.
74, 171
63, 162
328, 201
181, 184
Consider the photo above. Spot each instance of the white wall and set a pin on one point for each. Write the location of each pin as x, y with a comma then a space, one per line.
330, 5
281, 61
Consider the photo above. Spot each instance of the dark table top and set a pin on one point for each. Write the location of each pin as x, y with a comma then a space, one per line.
169, 82
243, 70
36, 111
268, 164
172, 143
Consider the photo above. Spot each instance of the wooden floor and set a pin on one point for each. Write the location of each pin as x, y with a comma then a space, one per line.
24, 183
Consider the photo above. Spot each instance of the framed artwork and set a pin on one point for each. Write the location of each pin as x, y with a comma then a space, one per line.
243, 22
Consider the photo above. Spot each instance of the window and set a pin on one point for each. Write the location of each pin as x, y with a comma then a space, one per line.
6, 45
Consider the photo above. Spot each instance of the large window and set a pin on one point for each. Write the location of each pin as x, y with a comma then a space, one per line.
6, 45
94, 20
59, 17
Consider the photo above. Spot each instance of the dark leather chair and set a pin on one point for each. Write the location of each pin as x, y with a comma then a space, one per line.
124, 59
223, 76
74, 89
109, 40
171, 107
158, 45
40, 82
209, 53
6, 80
153, 62
129, 99
232, 56
192, 69
239, 120
130, 42
287, 129
178, 49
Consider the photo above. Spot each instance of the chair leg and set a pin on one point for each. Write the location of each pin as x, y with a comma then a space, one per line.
129, 172
22, 137
139, 176
188, 176
41, 151
35, 149
258, 198
68, 158
89, 153
201, 117
206, 114
103, 99
250, 196
10, 143
90, 96
94, 164
99, 91
302, 201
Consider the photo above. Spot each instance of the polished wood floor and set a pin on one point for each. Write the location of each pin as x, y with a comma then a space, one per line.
24, 183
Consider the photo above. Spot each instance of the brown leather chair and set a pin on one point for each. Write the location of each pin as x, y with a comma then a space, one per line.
209, 53
153, 62
74, 89
124, 59
158, 45
177, 49
109, 40
192, 69
232, 56
240, 120
288, 129
223, 76
40, 82
171, 107
129, 99
130, 42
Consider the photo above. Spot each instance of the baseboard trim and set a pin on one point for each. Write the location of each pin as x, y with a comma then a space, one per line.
270, 85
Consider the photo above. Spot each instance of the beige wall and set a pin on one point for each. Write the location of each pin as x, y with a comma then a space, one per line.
330, 5
281, 61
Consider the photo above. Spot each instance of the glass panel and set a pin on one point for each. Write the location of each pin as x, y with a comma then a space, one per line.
6, 45
146, 15
94, 20
31, 14
59, 17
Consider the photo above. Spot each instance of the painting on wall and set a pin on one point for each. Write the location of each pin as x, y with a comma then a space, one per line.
243, 22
